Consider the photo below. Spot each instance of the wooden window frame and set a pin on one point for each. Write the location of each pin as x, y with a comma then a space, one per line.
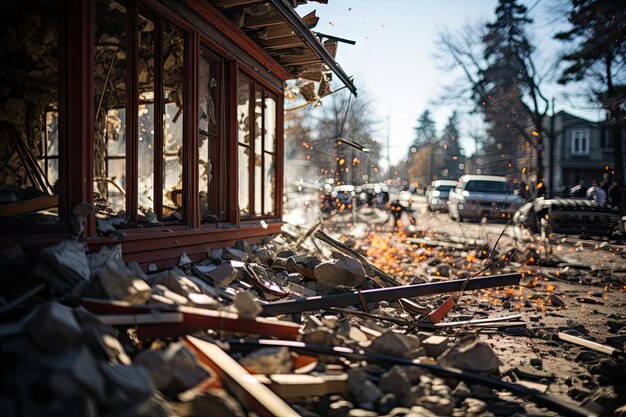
583, 135
266, 91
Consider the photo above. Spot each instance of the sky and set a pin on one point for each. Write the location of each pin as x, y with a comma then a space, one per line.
394, 61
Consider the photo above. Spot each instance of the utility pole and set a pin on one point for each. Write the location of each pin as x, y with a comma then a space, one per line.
552, 137
388, 157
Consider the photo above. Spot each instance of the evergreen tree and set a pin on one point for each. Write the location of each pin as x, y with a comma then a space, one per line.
508, 89
426, 130
598, 30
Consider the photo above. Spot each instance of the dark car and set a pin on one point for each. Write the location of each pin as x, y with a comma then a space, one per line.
569, 216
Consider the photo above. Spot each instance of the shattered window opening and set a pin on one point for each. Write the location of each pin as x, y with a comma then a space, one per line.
29, 130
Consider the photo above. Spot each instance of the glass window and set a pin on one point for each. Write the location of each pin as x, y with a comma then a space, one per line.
145, 118
243, 138
257, 159
29, 130
110, 109
580, 141
209, 101
173, 88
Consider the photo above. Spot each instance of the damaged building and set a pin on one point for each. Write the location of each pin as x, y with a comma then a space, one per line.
156, 123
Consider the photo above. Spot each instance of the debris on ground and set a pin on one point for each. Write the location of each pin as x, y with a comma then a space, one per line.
308, 324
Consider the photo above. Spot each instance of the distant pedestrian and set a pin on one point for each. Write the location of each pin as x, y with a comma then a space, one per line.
596, 193
578, 191
615, 196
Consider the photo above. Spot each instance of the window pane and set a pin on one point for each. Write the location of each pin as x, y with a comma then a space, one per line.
53, 171
270, 124
244, 180
116, 184
243, 122
145, 116
52, 132
270, 184
110, 108
258, 152
29, 84
173, 87
208, 134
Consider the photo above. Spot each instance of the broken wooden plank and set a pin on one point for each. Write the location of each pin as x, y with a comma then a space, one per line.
136, 319
28, 206
555, 404
388, 294
248, 390
194, 319
598, 347
289, 386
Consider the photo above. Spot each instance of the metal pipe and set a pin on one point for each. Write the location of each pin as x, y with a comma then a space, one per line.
388, 294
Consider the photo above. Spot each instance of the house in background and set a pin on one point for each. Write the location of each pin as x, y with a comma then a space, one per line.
583, 150
157, 124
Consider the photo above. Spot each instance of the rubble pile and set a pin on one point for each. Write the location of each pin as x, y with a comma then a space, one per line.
89, 334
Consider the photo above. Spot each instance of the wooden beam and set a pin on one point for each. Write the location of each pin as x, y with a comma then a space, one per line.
252, 394
258, 22
28, 206
193, 320
275, 32
229, 4
307, 58
281, 43
288, 386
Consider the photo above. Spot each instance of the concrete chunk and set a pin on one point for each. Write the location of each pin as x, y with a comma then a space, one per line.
470, 354
344, 273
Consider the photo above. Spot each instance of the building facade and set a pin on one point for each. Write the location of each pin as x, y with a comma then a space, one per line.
157, 124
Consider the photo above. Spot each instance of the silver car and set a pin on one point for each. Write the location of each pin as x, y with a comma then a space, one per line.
477, 196
437, 194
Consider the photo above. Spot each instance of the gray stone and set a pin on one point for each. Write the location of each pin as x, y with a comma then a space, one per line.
116, 282
443, 270
98, 259
222, 275
410, 398
396, 344
470, 354
339, 408
175, 280
184, 259
232, 254
212, 402
441, 406
387, 403
264, 255
173, 370
395, 381
344, 273
321, 336
69, 258
126, 385
53, 327
246, 305
271, 360
364, 390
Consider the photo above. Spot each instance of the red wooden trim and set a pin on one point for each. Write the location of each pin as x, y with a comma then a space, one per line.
233, 144
280, 154
213, 16
159, 106
192, 152
78, 108
132, 118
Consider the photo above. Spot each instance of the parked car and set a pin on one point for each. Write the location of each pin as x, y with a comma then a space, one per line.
340, 199
437, 194
477, 196
569, 216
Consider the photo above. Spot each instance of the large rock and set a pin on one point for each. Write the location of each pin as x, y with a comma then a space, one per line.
246, 305
271, 360
176, 280
396, 344
69, 259
116, 282
344, 273
470, 354
173, 370
53, 327
222, 275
